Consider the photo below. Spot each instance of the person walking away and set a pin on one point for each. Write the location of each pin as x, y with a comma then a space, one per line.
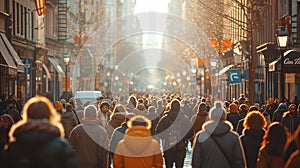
138, 148
217, 145
116, 119
233, 115
38, 139
89, 140
252, 137
68, 119
271, 153
294, 159
199, 119
174, 129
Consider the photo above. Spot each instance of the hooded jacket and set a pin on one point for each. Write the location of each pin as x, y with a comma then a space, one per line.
277, 116
38, 144
138, 149
207, 154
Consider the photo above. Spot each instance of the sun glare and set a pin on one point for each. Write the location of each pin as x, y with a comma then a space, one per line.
151, 6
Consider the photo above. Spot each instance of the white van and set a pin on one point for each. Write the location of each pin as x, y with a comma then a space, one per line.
84, 96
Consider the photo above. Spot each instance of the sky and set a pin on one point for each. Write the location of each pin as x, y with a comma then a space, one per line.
151, 5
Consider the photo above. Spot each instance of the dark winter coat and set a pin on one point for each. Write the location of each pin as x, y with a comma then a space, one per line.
234, 118
177, 120
251, 141
117, 136
291, 121
207, 154
14, 113
154, 120
89, 140
115, 121
38, 144
69, 121
277, 116
198, 120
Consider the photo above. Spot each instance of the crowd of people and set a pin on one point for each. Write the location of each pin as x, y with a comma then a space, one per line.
149, 131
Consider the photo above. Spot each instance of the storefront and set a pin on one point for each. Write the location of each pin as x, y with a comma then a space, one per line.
291, 70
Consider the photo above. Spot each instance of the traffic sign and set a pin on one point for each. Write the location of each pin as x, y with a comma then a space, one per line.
234, 76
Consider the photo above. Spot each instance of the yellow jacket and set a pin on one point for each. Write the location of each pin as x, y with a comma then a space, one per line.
138, 149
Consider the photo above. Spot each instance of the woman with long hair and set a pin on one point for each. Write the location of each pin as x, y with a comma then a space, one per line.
271, 152
37, 140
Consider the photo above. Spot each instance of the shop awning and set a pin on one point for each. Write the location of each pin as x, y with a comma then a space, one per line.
13, 53
291, 62
225, 69
8, 60
57, 67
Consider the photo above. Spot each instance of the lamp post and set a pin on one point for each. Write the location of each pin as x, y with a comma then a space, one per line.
66, 60
282, 39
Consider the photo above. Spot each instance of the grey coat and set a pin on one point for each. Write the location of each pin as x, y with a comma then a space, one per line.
207, 154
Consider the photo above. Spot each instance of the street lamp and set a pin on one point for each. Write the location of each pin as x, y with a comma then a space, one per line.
282, 35
66, 60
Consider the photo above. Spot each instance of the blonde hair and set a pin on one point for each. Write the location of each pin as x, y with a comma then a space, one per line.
38, 108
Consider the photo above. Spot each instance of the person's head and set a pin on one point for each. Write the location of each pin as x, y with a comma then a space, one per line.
244, 107
69, 107
217, 113
99, 99
254, 120
275, 139
39, 108
132, 100
129, 116
118, 108
202, 107
233, 107
58, 106
175, 105
10, 103
292, 108
267, 116
90, 112
139, 120
6, 121
104, 106
151, 110
63, 101
253, 108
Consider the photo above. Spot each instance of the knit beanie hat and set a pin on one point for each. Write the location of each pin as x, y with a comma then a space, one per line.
217, 113
90, 111
233, 108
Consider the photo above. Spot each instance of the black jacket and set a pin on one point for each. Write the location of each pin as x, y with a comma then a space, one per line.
37, 145
251, 141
